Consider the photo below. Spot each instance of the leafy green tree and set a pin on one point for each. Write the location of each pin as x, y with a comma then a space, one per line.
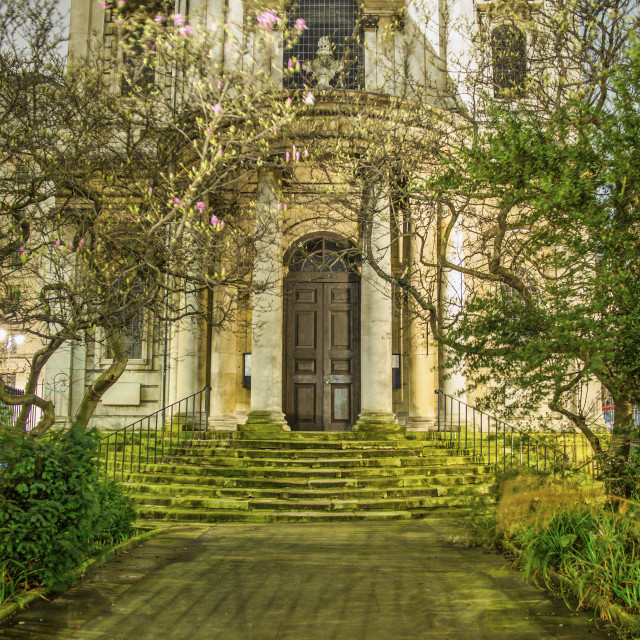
554, 203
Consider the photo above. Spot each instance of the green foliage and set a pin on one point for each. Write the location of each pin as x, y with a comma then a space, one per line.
116, 512
53, 506
5, 416
574, 530
598, 549
15, 578
625, 478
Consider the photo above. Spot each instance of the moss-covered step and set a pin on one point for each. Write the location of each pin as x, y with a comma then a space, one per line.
293, 493
234, 515
448, 479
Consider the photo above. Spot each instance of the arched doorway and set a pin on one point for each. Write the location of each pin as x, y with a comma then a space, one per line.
322, 335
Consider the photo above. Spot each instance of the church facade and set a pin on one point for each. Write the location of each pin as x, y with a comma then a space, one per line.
330, 345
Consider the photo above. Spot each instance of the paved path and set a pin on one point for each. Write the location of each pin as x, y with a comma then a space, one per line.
380, 581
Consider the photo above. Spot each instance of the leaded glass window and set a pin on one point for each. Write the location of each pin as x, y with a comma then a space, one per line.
509, 59
337, 19
324, 254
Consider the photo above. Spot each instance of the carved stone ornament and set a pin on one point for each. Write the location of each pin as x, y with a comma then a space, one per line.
323, 67
370, 21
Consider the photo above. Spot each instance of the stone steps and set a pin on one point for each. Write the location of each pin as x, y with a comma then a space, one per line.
292, 493
317, 463
305, 477
159, 479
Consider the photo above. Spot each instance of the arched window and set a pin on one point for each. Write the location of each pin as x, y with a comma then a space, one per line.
325, 253
509, 59
338, 20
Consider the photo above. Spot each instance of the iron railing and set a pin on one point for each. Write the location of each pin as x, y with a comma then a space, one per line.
499, 443
13, 410
149, 439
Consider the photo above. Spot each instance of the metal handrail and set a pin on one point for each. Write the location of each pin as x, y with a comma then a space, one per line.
530, 449
152, 434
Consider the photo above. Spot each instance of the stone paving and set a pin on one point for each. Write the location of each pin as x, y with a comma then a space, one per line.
342, 581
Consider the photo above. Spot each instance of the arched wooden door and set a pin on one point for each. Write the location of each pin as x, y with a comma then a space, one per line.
322, 336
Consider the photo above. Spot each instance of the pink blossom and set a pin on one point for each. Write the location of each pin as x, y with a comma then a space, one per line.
220, 152
57, 244
122, 2
200, 206
21, 250
70, 245
158, 18
169, 47
223, 271
278, 206
287, 156
81, 242
306, 153
217, 108
185, 31
213, 26
150, 190
275, 129
284, 206
214, 221
289, 102
175, 201
300, 25
309, 99
221, 225
290, 63
219, 84
297, 155
268, 19
178, 19
104, 5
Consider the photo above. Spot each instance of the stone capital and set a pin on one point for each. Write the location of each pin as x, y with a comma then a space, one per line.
370, 21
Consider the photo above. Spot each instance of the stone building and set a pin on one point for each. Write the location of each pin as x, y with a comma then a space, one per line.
328, 347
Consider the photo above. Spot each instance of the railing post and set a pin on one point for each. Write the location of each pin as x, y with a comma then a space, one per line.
474, 431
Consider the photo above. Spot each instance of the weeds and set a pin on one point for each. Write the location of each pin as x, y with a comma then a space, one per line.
15, 578
573, 529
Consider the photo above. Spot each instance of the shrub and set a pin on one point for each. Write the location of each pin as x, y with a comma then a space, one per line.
116, 513
53, 505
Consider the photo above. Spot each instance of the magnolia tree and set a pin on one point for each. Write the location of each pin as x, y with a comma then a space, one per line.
126, 183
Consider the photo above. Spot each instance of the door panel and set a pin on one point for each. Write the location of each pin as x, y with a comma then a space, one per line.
303, 357
322, 363
341, 325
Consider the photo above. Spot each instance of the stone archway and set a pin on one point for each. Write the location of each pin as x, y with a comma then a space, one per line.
321, 363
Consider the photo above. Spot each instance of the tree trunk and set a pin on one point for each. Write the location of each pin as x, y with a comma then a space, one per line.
103, 382
620, 448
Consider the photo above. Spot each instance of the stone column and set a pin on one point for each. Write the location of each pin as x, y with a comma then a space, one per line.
224, 362
172, 384
370, 27
453, 381
377, 419
266, 418
189, 338
423, 379
423, 363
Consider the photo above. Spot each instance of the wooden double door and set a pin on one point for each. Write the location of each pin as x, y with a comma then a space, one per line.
322, 353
